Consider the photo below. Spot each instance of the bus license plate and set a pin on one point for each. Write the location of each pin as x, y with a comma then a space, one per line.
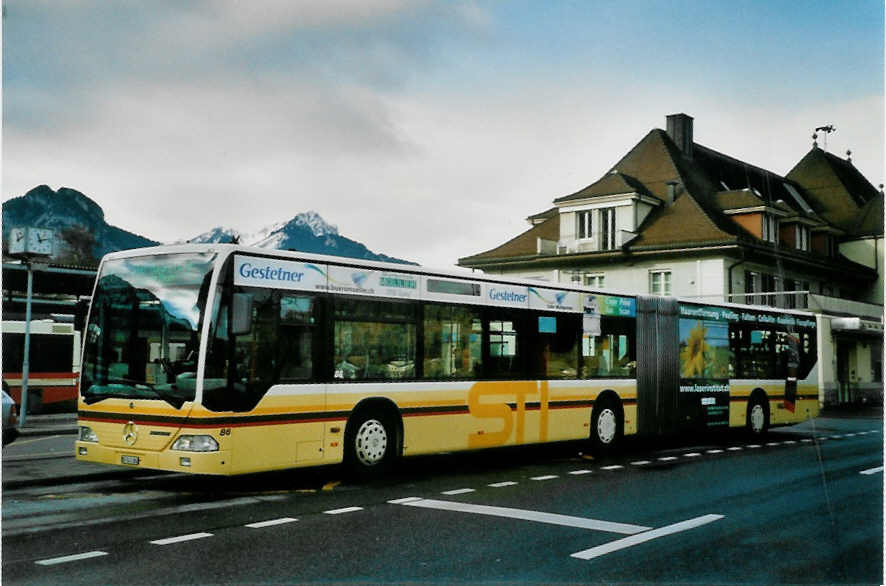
131, 460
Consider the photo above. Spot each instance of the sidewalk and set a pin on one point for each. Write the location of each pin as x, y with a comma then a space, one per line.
52, 424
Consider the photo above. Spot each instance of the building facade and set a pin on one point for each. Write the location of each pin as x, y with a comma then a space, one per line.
673, 217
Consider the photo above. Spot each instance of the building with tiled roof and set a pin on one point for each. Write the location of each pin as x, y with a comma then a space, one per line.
674, 217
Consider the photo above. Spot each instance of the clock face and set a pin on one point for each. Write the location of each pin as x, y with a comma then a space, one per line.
40, 241
16, 241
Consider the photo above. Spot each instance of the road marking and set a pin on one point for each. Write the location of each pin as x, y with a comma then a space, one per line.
525, 515
71, 558
753, 446
644, 537
331, 485
790, 442
271, 522
403, 501
502, 484
344, 510
773, 444
458, 491
870, 471
806, 440
580, 472
180, 538
692, 455
735, 449
851, 434
715, 451
640, 463
667, 458
614, 467
548, 477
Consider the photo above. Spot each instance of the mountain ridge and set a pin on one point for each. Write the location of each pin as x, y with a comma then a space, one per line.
68, 208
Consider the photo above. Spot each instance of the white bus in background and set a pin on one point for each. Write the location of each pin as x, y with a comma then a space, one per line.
54, 368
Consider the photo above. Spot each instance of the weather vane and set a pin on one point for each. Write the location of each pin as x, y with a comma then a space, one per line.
827, 130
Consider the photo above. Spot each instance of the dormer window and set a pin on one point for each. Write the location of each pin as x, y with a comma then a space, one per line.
801, 234
583, 225
770, 228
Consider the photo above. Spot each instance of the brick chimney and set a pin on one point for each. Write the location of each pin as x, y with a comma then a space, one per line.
680, 131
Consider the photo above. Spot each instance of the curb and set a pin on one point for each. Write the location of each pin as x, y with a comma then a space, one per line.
47, 430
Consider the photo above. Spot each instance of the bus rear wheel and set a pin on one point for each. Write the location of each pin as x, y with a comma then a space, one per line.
607, 427
758, 417
370, 444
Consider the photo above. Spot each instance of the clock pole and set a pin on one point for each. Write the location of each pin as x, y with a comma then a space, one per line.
26, 364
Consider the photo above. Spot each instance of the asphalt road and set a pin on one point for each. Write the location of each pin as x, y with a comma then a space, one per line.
805, 506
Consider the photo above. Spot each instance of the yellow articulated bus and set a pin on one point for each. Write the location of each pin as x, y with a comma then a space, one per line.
221, 359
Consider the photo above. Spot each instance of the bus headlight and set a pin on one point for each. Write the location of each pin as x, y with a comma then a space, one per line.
87, 435
195, 443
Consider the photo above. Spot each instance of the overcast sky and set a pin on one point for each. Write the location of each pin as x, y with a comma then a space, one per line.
426, 130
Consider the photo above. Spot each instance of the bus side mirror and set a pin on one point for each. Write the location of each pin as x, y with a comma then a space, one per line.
241, 322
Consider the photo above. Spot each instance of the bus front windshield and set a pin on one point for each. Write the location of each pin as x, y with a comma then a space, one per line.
143, 336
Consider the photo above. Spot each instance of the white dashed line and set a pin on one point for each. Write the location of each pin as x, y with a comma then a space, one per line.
692, 455
715, 451
734, 449
789, 442
640, 463
633, 540
71, 558
271, 523
502, 484
870, 471
458, 491
806, 441
754, 446
580, 472
342, 511
548, 477
774, 444
403, 501
613, 467
667, 458
180, 538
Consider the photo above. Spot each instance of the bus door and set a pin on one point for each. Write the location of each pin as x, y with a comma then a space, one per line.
658, 374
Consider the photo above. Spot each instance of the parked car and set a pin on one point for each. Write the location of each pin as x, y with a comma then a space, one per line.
10, 418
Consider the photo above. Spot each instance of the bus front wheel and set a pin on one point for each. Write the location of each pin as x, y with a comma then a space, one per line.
371, 444
607, 427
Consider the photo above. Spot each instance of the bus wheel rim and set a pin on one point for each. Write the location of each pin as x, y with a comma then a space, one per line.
371, 442
758, 417
606, 426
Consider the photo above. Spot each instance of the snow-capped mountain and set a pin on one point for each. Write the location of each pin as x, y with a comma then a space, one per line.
307, 232
67, 208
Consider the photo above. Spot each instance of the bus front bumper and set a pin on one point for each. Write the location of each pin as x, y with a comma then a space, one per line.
174, 461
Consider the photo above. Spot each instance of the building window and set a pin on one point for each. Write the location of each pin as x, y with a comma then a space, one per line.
595, 280
607, 228
583, 225
830, 245
769, 287
770, 228
802, 237
751, 287
660, 282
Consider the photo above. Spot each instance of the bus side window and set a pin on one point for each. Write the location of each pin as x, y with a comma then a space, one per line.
452, 341
612, 354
